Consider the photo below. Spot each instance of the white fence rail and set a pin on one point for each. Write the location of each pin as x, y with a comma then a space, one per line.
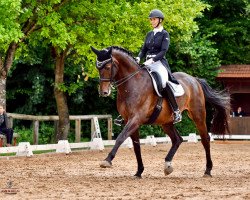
28, 149
77, 118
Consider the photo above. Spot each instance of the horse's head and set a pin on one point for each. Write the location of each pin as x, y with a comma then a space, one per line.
104, 64
116, 66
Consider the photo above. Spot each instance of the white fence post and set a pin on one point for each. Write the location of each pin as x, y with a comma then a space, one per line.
63, 147
96, 137
151, 140
192, 137
24, 149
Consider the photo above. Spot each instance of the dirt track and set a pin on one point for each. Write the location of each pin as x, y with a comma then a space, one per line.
78, 175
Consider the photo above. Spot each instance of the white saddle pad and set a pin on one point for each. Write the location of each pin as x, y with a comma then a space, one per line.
159, 68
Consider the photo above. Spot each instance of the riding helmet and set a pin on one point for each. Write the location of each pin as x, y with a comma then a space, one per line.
156, 13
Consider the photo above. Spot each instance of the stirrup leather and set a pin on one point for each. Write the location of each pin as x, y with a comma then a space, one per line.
119, 121
177, 116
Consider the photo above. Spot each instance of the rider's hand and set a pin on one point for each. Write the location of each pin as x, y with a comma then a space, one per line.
137, 59
149, 61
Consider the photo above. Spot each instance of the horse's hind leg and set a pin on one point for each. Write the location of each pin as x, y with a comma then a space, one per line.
176, 139
137, 149
205, 140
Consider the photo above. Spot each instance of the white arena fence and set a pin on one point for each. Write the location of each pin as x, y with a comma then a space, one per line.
63, 146
78, 119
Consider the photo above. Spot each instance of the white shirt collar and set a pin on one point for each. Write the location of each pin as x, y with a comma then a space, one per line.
159, 29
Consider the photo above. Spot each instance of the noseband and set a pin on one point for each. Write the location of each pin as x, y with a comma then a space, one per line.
101, 65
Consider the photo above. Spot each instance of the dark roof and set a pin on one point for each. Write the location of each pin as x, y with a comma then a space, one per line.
234, 71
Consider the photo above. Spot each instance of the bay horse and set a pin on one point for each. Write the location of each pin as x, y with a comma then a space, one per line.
136, 99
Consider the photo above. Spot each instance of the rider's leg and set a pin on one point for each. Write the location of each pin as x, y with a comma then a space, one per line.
169, 95
170, 75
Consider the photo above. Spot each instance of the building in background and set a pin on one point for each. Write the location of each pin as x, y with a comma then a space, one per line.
236, 79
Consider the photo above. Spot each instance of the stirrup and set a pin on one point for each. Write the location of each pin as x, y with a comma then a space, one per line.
177, 116
119, 121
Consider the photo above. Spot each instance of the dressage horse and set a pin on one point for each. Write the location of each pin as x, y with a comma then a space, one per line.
136, 100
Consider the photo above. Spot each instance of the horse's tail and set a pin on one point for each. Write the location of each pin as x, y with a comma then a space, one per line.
220, 100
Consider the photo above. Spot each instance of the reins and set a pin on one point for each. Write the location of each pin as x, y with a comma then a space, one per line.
126, 78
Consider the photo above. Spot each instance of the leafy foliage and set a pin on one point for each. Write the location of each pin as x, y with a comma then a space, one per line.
9, 27
230, 21
76, 25
24, 134
197, 57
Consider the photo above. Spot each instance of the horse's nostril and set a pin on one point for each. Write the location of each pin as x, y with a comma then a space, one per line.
104, 94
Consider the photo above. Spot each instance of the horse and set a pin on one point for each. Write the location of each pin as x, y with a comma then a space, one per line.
136, 99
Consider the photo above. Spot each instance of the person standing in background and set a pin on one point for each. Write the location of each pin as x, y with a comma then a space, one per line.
4, 126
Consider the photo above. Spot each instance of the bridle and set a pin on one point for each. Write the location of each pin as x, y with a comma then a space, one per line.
102, 64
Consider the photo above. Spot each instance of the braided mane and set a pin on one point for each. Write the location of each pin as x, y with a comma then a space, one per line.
124, 51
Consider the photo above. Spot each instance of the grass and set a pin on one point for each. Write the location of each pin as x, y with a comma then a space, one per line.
34, 152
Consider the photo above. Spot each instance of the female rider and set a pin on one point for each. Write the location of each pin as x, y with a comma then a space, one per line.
154, 49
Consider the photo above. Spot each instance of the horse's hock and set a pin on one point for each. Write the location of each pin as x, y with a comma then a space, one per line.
3, 139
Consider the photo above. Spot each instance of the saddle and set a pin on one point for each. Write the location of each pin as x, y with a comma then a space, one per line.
160, 77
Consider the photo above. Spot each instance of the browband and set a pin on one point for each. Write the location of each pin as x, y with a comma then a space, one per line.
101, 64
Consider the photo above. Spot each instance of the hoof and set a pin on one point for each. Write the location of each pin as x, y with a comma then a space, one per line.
168, 169
207, 175
137, 177
105, 164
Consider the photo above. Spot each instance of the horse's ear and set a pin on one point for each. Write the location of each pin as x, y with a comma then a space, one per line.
95, 50
109, 51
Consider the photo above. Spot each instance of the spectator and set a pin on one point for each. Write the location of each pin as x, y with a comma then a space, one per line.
240, 112
4, 126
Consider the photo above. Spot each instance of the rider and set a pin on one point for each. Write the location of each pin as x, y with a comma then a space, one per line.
154, 49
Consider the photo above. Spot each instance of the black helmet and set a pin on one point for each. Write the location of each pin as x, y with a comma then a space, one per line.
156, 13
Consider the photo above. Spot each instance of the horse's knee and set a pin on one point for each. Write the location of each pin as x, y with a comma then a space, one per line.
178, 141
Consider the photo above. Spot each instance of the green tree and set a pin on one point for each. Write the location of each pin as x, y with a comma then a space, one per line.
10, 33
230, 23
72, 28
69, 28
197, 57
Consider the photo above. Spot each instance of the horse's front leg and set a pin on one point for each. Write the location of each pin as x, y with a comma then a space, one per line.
137, 149
129, 129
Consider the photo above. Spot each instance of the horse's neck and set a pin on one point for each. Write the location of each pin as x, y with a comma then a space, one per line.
135, 79
126, 66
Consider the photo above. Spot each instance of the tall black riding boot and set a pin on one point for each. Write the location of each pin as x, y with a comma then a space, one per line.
169, 95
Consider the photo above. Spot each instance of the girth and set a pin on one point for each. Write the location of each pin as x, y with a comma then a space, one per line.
156, 111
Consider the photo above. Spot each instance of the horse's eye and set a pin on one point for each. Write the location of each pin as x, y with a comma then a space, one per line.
106, 68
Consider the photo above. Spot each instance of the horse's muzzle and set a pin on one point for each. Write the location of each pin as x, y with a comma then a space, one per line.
105, 92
